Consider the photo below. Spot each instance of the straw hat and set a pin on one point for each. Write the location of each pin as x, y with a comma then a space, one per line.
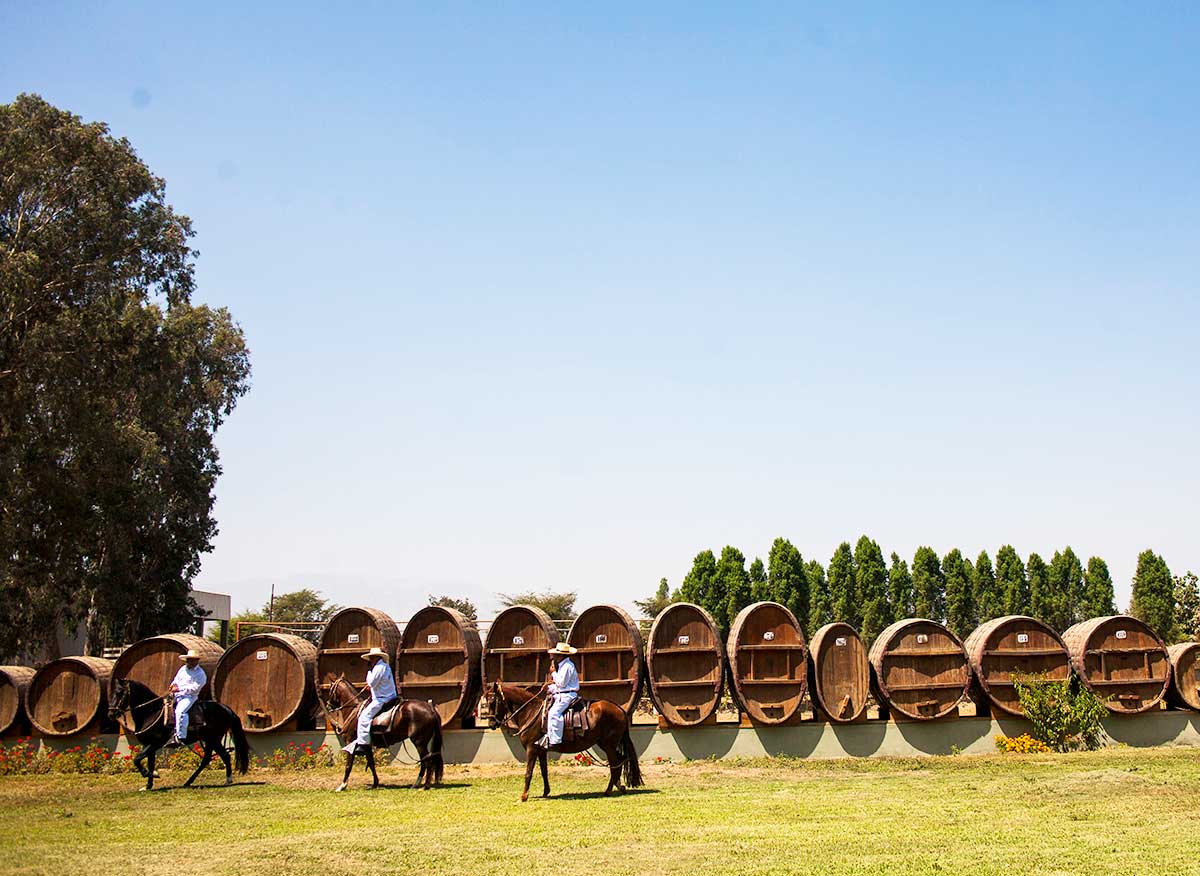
192, 654
563, 648
376, 652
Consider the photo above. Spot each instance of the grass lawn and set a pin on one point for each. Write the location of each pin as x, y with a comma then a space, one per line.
1127, 811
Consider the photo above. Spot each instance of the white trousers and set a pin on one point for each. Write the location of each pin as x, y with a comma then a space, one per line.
365, 717
554, 721
182, 704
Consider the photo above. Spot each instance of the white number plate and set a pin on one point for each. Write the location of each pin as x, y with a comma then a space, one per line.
769, 636
260, 655
1122, 634
601, 639
518, 640
922, 638
432, 639
1022, 638
840, 641
685, 640
352, 639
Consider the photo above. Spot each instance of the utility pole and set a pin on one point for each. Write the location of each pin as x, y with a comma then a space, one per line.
271, 609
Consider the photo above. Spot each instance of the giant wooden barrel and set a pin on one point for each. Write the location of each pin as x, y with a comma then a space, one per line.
685, 662
348, 635
920, 669
1184, 692
768, 662
610, 656
1121, 660
70, 695
268, 679
516, 646
439, 660
154, 661
1013, 646
13, 682
839, 674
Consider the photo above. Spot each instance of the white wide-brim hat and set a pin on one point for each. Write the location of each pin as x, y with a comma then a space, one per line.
192, 654
376, 652
563, 648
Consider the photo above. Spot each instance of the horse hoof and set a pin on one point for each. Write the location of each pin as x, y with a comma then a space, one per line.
143, 788
524, 798
228, 782
340, 787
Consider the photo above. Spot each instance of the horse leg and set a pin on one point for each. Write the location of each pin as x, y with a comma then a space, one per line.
542, 758
208, 753
424, 772
349, 766
137, 762
530, 757
612, 754
371, 766
149, 753
223, 753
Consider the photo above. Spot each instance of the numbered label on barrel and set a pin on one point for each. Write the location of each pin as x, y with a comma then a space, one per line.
1022, 638
1122, 634
601, 639
685, 640
518, 640
922, 638
260, 655
432, 639
840, 641
769, 636
352, 639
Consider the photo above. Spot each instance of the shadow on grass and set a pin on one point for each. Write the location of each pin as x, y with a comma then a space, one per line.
406, 786
596, 795
208, 787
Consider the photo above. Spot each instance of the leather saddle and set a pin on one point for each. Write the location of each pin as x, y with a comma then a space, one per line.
576, 723
195, 716
382, 722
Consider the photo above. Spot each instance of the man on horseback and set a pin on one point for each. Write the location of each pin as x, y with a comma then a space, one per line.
565, 690
188, 682
383, 693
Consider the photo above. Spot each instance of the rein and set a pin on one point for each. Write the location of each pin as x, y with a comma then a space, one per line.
510, 721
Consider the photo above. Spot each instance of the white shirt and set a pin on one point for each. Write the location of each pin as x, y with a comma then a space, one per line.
381, 682
566, 679
190, 682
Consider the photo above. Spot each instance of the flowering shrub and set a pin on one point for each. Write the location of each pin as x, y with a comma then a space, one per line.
1023, 744
24, 757
301, 757
1065, 719
584, 759
661, 759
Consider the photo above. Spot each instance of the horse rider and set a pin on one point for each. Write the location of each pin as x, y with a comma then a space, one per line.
383, 691
565, 690
186, 686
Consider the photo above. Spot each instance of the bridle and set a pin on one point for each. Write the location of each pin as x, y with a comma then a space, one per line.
510, 719
123, 707
339, 725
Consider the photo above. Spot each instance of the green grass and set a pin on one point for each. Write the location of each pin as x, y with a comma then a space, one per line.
1121, 811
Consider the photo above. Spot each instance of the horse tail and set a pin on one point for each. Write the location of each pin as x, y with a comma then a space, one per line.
241, 747
436, 764
633, 772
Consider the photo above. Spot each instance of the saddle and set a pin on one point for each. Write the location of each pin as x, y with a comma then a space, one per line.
576, 723
195, 716
382, 722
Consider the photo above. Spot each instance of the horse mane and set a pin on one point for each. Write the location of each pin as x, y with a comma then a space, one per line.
516, 693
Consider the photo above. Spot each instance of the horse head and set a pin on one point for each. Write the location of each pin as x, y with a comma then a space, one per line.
341, 696
497, 706
118, 702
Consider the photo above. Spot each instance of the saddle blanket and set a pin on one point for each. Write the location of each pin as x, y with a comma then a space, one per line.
576, 723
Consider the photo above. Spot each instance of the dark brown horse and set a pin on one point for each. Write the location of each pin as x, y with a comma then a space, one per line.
520, 713
417, 720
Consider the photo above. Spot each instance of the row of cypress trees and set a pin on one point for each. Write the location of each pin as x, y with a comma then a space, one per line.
862, 589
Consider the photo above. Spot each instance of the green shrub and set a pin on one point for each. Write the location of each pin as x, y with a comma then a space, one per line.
1065, 717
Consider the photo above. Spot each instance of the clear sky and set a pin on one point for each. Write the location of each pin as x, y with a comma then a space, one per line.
550, 298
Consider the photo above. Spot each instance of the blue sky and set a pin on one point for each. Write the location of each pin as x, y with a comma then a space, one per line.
547, 298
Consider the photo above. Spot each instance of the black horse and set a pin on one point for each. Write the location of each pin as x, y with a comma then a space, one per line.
136, 706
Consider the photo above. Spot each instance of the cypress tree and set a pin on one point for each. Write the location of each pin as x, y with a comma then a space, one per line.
758, 581
734, 588
900, 589
870, 578
787, 581
842, 591
929, 588
988, 603
1011, 582
699, 584
1065, 586
1041, 605
1187, 607
1098, 599
1154, 594
960, 612
819, 606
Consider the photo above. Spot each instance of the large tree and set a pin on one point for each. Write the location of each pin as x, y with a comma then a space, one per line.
700, 583
1098, 599
988, 601
929, 587
1154, 594
559, 605
653, 606
1011, 582
758, 581
459, 603
734, 582
843, 595
871, 582
787, 580
960, 607
1041, 601
112, 385
900, 588
1065, 586
1187, 607
820, 610
304, 606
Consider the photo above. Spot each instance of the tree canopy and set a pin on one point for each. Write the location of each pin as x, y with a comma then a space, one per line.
299, 606
1153, 600
112, 386
460, 604
560, 606
662, 597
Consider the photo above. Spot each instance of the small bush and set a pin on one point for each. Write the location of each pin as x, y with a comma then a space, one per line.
25, 757
1063, 719
1023, 744
301, 757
